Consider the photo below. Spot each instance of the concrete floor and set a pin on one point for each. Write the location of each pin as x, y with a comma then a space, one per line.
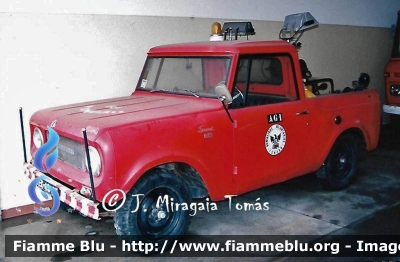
371, 205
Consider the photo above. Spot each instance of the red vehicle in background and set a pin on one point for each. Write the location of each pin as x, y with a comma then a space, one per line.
392, 79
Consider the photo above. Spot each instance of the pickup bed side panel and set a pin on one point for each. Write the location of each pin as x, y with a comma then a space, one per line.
360, 110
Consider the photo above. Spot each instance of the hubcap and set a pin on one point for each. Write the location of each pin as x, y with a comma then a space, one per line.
343, 163
161, 215
158, 221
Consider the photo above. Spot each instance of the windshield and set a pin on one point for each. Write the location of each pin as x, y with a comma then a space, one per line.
193, 76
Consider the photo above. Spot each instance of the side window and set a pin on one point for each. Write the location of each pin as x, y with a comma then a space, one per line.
262, 80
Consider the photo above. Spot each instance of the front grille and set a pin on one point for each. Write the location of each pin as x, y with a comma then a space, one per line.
71, 152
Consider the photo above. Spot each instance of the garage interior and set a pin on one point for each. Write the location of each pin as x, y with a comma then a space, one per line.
59, 52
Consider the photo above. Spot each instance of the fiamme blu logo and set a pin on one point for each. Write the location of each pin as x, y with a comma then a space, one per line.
45, 158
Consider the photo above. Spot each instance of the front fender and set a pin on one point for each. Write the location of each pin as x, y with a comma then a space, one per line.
203, 142
140, 167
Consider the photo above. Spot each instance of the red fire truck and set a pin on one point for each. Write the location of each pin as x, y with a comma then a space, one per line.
207, 120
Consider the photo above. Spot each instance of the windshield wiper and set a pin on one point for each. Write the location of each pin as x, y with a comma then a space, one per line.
159, 90
187, 90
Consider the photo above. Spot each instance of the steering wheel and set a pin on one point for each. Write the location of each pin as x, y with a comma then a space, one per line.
238, 94
236, 103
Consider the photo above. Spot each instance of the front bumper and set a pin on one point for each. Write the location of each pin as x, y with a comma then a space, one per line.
390, 109
70, 197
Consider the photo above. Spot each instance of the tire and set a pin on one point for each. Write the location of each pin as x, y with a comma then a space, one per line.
340, 166
395, 122
149, 223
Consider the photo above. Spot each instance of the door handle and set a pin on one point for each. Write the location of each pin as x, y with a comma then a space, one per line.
306, 112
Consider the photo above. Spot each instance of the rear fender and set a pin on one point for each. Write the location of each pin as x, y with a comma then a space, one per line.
357, 129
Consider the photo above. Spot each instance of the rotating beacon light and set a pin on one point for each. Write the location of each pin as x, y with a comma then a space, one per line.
216, 32
231, 30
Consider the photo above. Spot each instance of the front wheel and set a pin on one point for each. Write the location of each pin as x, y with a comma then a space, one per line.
340, 166
150, 213
395, 122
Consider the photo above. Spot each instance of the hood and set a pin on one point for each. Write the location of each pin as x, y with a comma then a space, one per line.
99, 116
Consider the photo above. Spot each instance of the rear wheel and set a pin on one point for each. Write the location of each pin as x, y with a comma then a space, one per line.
340, 166
147, 215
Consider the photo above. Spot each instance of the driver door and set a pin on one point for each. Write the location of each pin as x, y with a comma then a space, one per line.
272, 123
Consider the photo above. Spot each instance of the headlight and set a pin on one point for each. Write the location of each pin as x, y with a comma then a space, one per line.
95, 161
37, 137
395, 90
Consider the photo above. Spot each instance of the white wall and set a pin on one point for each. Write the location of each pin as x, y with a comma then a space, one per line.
375, 13
57, 53
51, 59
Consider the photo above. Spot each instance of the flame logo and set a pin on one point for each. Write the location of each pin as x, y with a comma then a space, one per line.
51, 158
52, 191
41, 155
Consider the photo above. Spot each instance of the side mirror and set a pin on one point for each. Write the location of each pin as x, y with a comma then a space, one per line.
223, 93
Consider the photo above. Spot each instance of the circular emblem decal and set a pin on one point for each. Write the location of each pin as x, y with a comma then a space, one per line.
275, 139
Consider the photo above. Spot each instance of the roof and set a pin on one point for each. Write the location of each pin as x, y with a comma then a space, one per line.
223, 48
